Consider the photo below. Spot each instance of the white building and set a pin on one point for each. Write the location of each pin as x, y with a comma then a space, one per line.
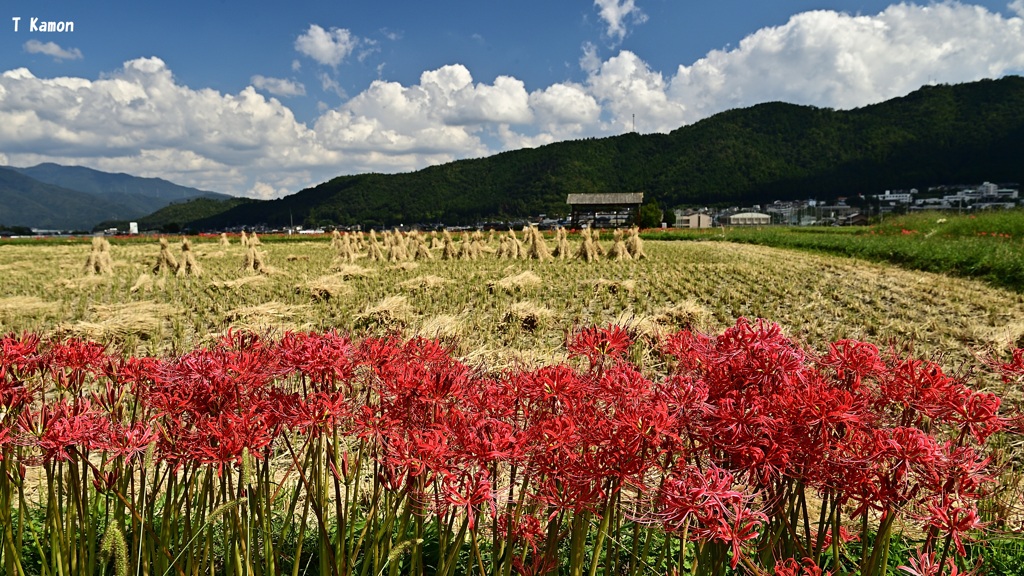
749, 219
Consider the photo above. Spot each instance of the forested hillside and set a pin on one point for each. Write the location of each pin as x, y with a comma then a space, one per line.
936, 135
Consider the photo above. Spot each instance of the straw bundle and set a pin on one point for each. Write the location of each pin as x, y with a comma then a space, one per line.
346, 251
635, 244
254, 240
27, 307
224, 239
254, 260
618, 251
99, 261
397, 252
616, 286
144, 283
562, 248
538, 249
374, 251
244, 240
420, 249
165, 260
435, 241
504, 248
335, 240
596, 235
449, 252
588, 250
515, 249
467, 250
189, 265
347, 271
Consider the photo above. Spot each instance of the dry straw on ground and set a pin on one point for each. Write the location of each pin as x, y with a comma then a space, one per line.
516, 283
391, 313
27, 307
526, 316
616, 286
427, 282
347, 271
111, 322
240, 282
442, 326
325, 288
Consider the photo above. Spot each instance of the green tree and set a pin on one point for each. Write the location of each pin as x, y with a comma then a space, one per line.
649, 216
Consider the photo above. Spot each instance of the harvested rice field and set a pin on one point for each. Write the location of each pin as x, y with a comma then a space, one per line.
496, 310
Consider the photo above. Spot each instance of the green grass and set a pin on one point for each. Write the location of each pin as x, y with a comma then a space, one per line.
988, 246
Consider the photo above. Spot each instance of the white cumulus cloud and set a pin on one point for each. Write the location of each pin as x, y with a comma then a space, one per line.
52, 49
140, 119
278, 86
328, 47
838, 60
617, 15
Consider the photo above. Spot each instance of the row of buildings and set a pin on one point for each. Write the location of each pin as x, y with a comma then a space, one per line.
986, 196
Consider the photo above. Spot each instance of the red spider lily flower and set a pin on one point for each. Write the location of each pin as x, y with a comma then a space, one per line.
689, 493
794, 567
469, 491
978, 415
845, 536
1012, 371
688, 348
954, 520
5, 438
538, 566
921, 563
853, 361
130, 441
19, 356
14, 395
60, 429
326, 359
596, 344
133, 372
71, 361
527, 529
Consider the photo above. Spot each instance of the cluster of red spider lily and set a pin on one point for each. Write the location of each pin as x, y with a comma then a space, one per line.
743, 450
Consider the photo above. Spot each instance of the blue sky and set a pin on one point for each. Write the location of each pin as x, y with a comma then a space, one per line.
265, 98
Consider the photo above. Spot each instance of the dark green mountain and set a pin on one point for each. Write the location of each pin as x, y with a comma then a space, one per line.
965, 133
176, 217
28, 202
74, 197
140, 196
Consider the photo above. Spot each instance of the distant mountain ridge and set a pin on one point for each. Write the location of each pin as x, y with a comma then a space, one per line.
74, 197
965, 133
